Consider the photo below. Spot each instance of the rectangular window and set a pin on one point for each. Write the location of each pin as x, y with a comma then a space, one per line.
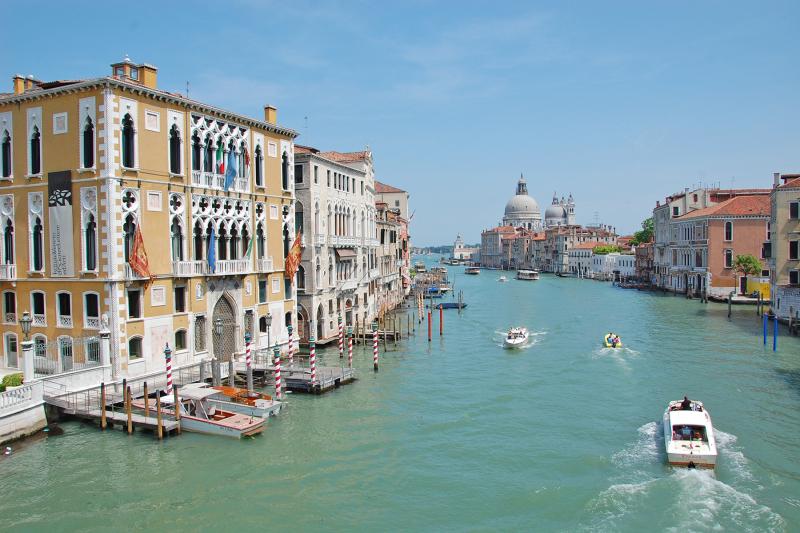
329, 178
298, 173
273, 212
134, 303
134, 73
793, 250
9, 307
316, 174
179, 294
59, 123
276, 285
91, 310
728, 258
180, 340
675, 211
262, 291
794, 277
794, 210
765, 273
729, 231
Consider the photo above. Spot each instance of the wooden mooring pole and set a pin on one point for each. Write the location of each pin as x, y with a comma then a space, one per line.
128, 409
102, 406
146, 401
159, 429
441, 321
177, 408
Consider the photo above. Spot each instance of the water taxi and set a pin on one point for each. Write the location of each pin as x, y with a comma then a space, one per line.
516, 337
472, 271
689, 435
242, 401
528, 275
200, 415
450, 305
419, 266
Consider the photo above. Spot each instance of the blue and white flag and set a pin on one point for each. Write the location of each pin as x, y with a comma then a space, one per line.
231, 171
212, 251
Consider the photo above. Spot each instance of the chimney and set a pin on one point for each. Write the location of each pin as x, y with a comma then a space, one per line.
776, 177
148, 76
270, 114
19, 84
29, 82
658, 203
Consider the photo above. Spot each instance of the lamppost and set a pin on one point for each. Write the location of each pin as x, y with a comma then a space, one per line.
26, 322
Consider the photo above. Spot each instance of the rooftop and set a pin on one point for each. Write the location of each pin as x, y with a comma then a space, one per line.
346, 157
382, 188
751, 205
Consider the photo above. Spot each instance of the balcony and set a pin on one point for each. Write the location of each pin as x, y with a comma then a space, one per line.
340, 241
374, 273
39, 320
64, 321
320, 239
223, 267
227, 267
264, 265
349, 285
92, 322
131, 274
10, 318
8, 272
189, 268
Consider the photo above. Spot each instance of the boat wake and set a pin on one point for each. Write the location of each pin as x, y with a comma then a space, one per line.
534, 338
683, 499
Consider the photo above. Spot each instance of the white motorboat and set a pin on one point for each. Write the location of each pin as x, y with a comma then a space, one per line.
242, 401
516, 337
502, 279
689, 435
528, 275
472, 271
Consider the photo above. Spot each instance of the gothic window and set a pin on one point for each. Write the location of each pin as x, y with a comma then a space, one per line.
298, 218
8, 243
301, 277
37, 252
260, 243
197, 149
90, 237
728, 231
200, 334
259, 162
245, 241
198, 241
36, 151
234, 244
285, 171
286, 241
208, 160
330, 272
222, 241
174, 150
129, 230
318, 276
88, 144
135, 348
5, 155
176, 233
128, 140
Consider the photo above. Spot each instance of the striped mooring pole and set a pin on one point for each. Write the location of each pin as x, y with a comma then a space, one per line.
168, 357
350, 346
375, 345
278, 385
291, 347
248, 361
341, 337
312, 359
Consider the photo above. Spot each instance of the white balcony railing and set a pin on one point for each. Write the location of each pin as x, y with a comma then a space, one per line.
92, 322
223, 267
64, 321
347, 285
10, 318
219, 181
320, 239
264, 265
232, 266
130, 273
189, 268
241, 184
39, 320
8, 272
340, 240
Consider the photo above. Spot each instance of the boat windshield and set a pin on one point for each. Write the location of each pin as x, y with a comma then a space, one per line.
689, 433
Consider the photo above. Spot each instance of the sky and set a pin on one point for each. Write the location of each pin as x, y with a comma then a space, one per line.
618, 103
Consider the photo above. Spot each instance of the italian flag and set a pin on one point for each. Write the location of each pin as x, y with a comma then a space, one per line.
220, 159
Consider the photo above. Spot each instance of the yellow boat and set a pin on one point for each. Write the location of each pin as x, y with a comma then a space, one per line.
608, 344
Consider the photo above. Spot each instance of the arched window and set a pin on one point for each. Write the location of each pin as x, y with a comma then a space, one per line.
301, 277
129, 231
208, 160
298, 217
245, 242
222, 241
285, 171
198, 241
8, 243
318, 276
259, 161
5, 154
176, 234
36, 151
135, 348
234, 244
128, 140
209, 231
330, 272
728, 231
286, 241
197, 149
174, 150
37, 241
88, 144
260, 243
90, 238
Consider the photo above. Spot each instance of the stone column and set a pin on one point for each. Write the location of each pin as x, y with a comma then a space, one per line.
105, 347
27, 361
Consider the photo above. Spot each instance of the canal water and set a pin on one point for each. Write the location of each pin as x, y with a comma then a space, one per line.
460, 434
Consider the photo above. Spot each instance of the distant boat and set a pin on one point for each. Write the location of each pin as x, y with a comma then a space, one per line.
528, 275
419, 266
689, 436
472, 271
502, 279
516, 338
450, 305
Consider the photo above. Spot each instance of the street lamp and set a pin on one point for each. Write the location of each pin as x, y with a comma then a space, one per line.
26, 322
269, 327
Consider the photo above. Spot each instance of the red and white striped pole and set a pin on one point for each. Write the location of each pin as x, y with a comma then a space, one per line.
341, 337
247, 358
375, 345
312, 359
168, 356
350, 346
278, 385
291, 348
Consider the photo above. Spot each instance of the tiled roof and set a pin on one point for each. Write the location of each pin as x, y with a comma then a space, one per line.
737, 206
381, 188
790, 183
344, 157
591, 245
300, 149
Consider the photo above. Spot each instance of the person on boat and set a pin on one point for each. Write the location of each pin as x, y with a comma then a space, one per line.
614, 340
686, 404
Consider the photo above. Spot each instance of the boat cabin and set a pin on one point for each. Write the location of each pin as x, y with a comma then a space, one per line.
689, 432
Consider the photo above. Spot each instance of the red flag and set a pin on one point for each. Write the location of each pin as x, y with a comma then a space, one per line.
246, 158
138, 260
293, 259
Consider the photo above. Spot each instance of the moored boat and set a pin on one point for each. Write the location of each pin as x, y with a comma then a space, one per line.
516, 337
242, 401
419, 266
200, 415
689, 435
528, 275
472, 271
451, 305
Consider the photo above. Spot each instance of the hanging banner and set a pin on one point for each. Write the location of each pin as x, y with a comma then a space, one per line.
59, 202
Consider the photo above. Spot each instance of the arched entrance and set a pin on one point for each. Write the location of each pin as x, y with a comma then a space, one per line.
224, 344
303, 324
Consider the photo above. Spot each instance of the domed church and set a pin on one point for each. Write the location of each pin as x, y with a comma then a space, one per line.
523, 211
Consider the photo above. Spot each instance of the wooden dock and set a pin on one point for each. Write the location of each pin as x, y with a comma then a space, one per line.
328, 378
120, 418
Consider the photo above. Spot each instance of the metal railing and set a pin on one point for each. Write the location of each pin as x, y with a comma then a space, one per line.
221, 268
65, 355
39, 320
10, 318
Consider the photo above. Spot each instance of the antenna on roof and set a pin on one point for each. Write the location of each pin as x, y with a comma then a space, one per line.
305, 127
187, 88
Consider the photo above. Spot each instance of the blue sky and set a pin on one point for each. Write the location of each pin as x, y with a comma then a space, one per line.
620, 103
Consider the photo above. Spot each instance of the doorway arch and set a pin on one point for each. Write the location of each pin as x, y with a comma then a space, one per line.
224, 344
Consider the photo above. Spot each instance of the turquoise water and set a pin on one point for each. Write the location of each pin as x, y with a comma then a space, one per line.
460, 434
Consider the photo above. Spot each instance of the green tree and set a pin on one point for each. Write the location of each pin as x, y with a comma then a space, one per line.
746, 265
645, 234
606, 249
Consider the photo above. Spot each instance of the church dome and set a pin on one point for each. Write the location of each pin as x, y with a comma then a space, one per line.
555, 212
521, 206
